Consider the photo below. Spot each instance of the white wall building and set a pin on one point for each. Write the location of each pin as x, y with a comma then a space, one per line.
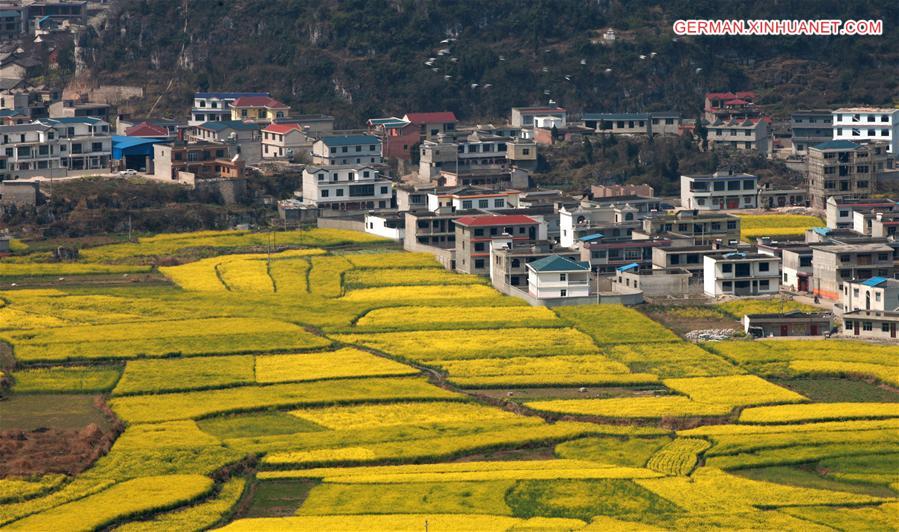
719, 191
876, 293
864, 124
740, 274
387, 225
215, 106
555, 277
346, 188
346, 150
468, 198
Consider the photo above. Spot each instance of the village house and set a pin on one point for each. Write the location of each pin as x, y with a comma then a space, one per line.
477, 159
885, 225
633, 123
284, 140
840, 212
474, 235
770, 198
509, 260
810, 128
243, 136
867, 124
188, 163
727, 106
83, 143
19, 193
559, 277
524, 116
793, 323
468, 198
871, 324
688, 258
612, 191
659, 283
834, 265
80, 108
724, 189
402, 135
876, 293
148, 129
740, 274
258, 109
844, 170
745, 134
390, 225
345, 150
213, 106
346, 188
704, 227
607, 253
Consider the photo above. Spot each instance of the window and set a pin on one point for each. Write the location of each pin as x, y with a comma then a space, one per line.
785, 279
748, 184
726, 286
499, 203
727, 268
479, 263
732, 225
371, 147
483, 204
478, 232
764, 266
885, 327
763, 285
848, 324
526, 151
383, 190
733, 185
563, 293
563, 276
326, 193
867, 326
466, 204
340, 192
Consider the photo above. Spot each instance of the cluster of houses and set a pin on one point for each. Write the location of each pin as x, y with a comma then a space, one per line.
464, 193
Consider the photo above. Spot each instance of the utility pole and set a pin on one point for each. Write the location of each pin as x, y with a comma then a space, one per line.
129, 228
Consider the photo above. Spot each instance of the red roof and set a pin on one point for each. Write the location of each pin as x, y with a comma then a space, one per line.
430, 118
146, 129
743, 95
487, 219
257, 101
284, 127
736, 101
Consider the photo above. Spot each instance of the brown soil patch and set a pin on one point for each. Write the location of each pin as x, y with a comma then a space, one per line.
36, 452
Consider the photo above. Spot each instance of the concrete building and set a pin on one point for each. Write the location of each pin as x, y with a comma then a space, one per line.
797, 268
771, 198
524, 116
509, 260
740, 274
72, 108
390, 225
611, 191
810, 128
687, 258
216, 106
843, 169
671, 282
867, 124
749, 134
786, 324
468, 198
474, 235
704, 227
726, 106
871, 324
285, 140
724, 189
588, 218
400, 136
465, 160
637, 124
185, 163
30, 150
346, 150
606, 254
346, 188
19, 193
558, 277
258, 109
834, 265
876, 293
885, 225
840, 211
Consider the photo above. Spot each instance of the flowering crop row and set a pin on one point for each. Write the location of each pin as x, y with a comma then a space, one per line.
733, 390
392, 260
834, 350
78, 488
15, 489
678, 457
457, 317
197, 517
671, 359
382, 415
368, 523
32, 269
633, 407
818, 412
407, 277
887, 374
616, 324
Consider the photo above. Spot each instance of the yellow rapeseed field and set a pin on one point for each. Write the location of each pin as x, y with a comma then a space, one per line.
633, 407
381, 415
733, 390
347, 362
199, 516
459, 317
818, 412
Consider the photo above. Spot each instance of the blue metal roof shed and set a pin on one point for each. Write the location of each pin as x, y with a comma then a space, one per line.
123, 146
874, 281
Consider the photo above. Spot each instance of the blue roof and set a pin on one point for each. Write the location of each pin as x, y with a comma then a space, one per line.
836, 145
11, 112
133, 145
219, 125
590, 238
228, 95
823, 231
874, 281
626, 267
558, 263
346, 140
71, 120
735, 255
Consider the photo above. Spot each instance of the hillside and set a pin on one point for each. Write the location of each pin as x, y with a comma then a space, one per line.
363, 58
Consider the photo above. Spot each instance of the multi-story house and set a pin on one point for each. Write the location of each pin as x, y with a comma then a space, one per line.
509, 260
558, 277
346, 150
833, 265
867, 124
871, 308
740, 274
744, 134
213, 106
704, 227
617, 191
873, 324
840, 211
727, 106
30, 150
432, 229
243, 136
588, 218
722, 190
284, 140
478, 159
654, 282
474, 235
633, 123
810, 128
843, 169
797, 271
258, 109
185, 163
468, 198
400, 136
346, 188
80, 108
607, 253
688, 258
885, 225
83, 143
524, 116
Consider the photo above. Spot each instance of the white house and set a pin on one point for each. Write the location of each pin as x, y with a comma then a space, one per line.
555, 277
215, 106
346, 150
876, 293
865, 124
722, 190
740, 274
346, 188
387, 225
468, 198
284, 140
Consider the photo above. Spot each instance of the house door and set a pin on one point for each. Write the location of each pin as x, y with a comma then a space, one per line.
733, 203
892, 330
784, 330
856, 327
803, 284
813, 330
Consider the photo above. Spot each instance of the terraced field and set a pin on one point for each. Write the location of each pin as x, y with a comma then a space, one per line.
341, 384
